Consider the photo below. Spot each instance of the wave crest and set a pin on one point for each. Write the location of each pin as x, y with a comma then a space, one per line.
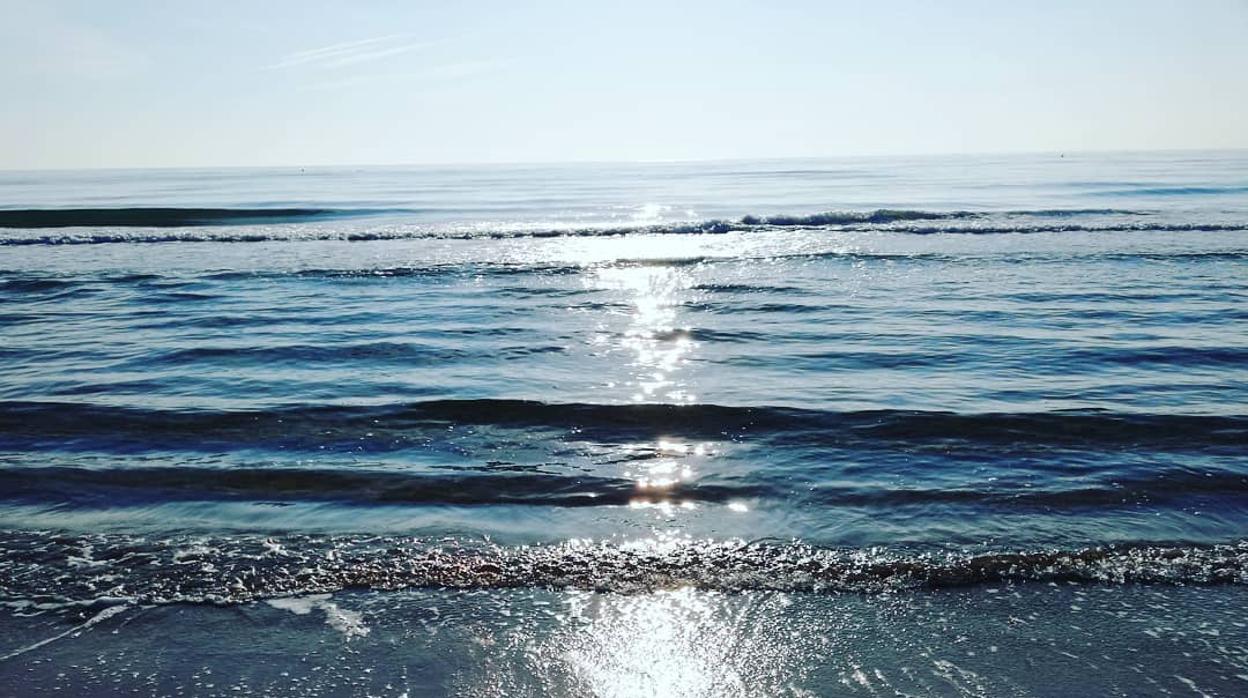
237, 569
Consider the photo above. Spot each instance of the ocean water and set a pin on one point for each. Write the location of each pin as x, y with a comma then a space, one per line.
880, 426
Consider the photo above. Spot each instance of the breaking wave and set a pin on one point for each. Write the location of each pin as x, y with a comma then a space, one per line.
197, 225
83, 568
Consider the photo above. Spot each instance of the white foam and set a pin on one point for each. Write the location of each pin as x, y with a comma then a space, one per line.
299, 605
349, 623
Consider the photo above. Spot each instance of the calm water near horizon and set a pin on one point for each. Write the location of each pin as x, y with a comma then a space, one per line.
875, 426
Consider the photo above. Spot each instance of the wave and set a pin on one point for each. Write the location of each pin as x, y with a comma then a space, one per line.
166, 217
706, 228
901, 221
1175, 191
886, 215
68, 424
882, 215
172, 217
35, 282
120, 486
1072, 212
406, 353
504, 485
68, 568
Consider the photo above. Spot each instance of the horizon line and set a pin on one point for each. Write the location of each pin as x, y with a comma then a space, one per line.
674, 161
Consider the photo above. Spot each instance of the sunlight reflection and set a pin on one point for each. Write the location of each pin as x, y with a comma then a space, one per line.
681, 642
658, 347
659, 469
643, 648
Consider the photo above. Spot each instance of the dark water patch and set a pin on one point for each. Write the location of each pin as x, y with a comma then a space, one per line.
134, 278
992, 229
543, 292
114, 487
851, 360
61, 424
178, 297
402, 352
499, 483
465, 270
520, 351
1173, 191
1159, 488
962, 353
752, 288
37, 284
1074, 212
122, 387
219, 321
1113, 301
13, 319
1177, 256
851, 217
54, 567
170, 217
1172, 356
14, 354
878, 359
118, 238
737, 307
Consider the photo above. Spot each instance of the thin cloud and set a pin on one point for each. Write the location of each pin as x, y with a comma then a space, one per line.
350, 52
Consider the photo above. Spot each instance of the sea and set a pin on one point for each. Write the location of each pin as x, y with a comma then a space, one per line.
922, 426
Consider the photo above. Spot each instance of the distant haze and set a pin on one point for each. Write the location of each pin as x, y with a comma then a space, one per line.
152, 84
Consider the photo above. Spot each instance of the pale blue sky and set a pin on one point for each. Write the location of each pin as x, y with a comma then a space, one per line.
133, 84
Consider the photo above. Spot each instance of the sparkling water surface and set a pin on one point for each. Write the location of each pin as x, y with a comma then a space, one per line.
689, 397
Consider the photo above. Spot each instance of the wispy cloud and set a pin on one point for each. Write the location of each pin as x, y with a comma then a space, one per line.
350, 52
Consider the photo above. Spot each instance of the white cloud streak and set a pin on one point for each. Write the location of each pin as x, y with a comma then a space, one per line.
350, 52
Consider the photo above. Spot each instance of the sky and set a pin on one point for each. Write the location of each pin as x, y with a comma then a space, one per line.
134, 83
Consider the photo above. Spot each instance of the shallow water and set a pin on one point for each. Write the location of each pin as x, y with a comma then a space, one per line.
1030, 640
740, 382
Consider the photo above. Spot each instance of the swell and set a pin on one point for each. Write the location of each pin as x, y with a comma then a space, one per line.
90, 487
294, 426
850, 217
911, 222
948, 354
118, 486
710, 228
1174, 191
35, 283
65, 568
407, 354
166, 217
169, 217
